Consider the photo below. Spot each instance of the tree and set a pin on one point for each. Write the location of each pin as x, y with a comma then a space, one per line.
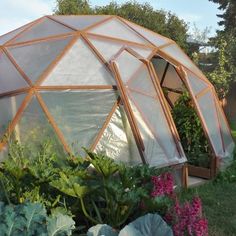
228, 18
72, 7
162, 22
221, 76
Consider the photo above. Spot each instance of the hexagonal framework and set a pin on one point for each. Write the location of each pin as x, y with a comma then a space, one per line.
98, 80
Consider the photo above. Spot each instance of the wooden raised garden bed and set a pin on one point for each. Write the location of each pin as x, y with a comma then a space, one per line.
198, 171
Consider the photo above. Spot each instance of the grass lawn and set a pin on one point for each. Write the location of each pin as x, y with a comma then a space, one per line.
219, 200
219, 206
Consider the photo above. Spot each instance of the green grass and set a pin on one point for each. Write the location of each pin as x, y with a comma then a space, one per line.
219, 200
219, 206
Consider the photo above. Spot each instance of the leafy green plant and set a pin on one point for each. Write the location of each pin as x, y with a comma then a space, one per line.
26, 178
192, 136
107, 192
31, 219
147, 225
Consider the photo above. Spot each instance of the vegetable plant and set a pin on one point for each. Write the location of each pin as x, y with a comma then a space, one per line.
192, 136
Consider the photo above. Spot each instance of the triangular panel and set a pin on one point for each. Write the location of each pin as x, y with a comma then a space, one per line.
208, 110
172, 79
196, 84
159, 65
80, 115
154, 38
34, 129
154, 153
6, 37
35, 58
9, 107
142, 82
80, 22
80, 66
108, 48
44, 28
10, 78
116, 29
118, 141
152, 113
129, 66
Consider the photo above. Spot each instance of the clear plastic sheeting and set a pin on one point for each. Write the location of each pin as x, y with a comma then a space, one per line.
116, 29
117, 140
42, 29
154, 38
134, 66
35, 58
207, 108
159, 65
141, 84
156, 121
196, 84
79, 22
176, 53
79, 114
8, 107
80, 66
34, 129
108, 48
6, 37
10, 78
155, 156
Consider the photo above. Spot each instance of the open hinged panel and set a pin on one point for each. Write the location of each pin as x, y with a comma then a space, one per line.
152, 125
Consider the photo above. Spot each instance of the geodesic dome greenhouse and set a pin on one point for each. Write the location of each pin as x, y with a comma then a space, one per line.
104, 83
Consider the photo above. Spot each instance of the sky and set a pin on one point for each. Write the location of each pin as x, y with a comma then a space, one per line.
15, 13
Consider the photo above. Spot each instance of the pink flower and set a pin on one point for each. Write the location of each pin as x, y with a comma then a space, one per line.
162, 185
187, 219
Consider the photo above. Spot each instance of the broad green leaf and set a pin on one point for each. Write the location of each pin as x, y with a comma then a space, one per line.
60, 225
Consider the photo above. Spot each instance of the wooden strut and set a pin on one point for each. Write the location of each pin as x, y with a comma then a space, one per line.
172, 90
218, 122
52, 122
129, 112
77, 87
56, 61
106, 123
147, 30
21, 72
165, 108
18, 115
29, 25
164, 74
150, 127
177, 63
15, 92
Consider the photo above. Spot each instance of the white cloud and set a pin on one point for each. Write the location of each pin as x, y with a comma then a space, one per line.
15, 13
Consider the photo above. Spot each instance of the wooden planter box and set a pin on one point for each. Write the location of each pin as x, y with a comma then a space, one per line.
199, 172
